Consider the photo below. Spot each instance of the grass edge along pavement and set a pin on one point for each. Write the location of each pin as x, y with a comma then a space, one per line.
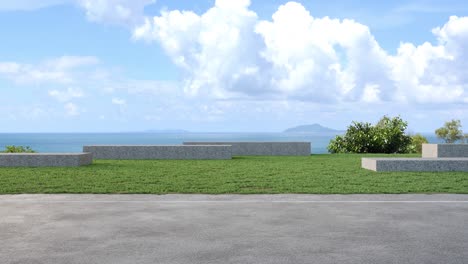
315, 174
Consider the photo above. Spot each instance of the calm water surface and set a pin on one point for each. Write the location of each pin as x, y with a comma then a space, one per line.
74, 142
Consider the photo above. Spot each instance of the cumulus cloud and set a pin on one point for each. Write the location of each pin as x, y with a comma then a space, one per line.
287, 67
228, 52
434, 73
321, 58
217, 50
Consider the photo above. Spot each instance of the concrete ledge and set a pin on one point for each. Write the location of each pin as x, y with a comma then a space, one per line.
175, 152
445, 150
263, 148
45, 159
415, 164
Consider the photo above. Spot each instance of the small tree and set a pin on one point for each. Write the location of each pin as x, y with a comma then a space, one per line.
451, 132
392, 133
387, 136
416, 143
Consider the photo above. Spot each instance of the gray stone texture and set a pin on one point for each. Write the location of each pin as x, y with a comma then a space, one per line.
445, 150
175, 152
263, 148
45, 159
415, 164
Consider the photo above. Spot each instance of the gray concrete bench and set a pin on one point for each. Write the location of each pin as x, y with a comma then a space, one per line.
263, 148
175, 152
445, 150
45, 159
415, 164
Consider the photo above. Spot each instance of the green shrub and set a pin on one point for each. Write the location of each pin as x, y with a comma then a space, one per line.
416, 143
18, 149
387, 136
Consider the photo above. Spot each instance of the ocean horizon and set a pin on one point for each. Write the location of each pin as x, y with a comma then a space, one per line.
74, 142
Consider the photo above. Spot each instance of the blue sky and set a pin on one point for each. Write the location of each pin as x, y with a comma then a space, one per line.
117, 65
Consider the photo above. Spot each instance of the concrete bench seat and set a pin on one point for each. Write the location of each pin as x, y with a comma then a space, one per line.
445, 150
263, 148
415, 164
45, 159
166, 152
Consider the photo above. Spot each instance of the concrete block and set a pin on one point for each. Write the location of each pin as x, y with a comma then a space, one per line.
45, 159
415, 164
263, 148
174, 152
445, 150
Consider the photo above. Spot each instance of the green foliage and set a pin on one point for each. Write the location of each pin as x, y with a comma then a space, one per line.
392, 133
387, 136
18, 149
416, 143
359, 138
451, 132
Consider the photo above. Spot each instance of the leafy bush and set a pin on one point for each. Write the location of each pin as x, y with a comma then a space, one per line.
387, 136
416, 143
451, 132
18, 149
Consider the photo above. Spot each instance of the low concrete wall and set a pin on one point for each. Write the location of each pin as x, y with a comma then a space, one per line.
263, 148
415, 164
45, 159
176, 152
445, 150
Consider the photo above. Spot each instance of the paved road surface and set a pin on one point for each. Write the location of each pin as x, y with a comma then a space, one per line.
233, 229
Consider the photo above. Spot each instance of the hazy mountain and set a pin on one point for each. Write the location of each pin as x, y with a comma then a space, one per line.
314, 128
167, 131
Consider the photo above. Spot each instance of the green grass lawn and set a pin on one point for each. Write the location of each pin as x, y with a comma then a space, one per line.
321, 174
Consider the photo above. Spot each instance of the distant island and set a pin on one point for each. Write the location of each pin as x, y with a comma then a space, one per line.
314, 128
174, 131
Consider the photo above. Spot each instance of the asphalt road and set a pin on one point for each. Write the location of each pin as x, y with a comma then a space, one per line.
233, 229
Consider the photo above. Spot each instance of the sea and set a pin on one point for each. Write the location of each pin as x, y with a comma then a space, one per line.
74, 142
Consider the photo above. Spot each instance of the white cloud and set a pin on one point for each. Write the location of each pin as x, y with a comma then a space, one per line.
227, 52
122, 106
371, 93
287, 68
143, 87
69, 62
215, 49
58, 70
119, 101
27, 5
122, 12
9, 68
428, 73
71, 109
66, 95
321, 58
